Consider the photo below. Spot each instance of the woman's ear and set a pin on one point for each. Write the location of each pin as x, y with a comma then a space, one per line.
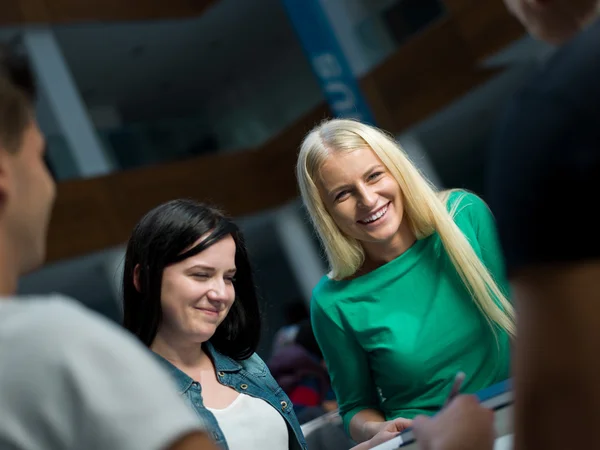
136, 278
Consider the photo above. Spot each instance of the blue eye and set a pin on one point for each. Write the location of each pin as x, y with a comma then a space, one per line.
374, 175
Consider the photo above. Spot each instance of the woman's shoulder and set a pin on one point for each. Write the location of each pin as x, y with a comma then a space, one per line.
254, 364
463, 204
330, 293
461, 198
324, 292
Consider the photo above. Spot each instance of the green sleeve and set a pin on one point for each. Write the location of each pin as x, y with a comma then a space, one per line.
347, 364
484, 225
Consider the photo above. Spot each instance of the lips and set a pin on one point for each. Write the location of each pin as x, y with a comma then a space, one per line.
376, 215
211, 312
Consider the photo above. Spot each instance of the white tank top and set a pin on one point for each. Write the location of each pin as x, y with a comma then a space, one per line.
250, 423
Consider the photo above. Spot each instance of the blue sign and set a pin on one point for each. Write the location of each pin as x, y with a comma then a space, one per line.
328, 60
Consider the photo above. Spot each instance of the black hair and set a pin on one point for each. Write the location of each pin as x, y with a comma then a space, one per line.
18, 94
165, 236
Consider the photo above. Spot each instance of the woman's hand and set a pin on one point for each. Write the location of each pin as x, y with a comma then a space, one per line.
330, 405
382, 429
391, 429
388, 430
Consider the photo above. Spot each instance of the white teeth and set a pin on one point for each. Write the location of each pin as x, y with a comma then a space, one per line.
376, 216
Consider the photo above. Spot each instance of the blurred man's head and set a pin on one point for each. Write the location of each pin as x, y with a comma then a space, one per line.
554, 21
27, 189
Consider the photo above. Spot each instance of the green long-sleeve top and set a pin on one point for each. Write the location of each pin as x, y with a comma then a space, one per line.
394, 338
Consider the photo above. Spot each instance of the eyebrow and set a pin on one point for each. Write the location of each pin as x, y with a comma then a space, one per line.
366, 173
211, 269
373, 168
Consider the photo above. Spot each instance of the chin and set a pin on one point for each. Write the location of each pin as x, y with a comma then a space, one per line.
207, 329
385, 235
202, 336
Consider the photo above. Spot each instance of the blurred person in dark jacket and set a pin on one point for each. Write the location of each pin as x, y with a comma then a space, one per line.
543, 186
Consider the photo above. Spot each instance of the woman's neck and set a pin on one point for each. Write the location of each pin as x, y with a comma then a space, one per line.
182, 354
378, 254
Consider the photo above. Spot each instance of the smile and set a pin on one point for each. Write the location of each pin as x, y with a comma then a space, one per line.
209, 312
376, 215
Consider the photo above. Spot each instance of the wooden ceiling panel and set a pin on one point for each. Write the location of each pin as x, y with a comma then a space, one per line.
10, 12
95, 214
14, 12
486, 27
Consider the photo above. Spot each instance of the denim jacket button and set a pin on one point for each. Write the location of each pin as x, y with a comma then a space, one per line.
243, 386
283, 405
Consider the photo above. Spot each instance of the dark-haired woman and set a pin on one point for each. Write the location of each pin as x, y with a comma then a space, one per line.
189, 296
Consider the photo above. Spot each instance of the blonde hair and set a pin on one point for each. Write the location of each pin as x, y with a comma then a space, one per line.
425, 208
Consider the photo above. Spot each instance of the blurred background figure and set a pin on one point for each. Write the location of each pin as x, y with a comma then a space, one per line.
300, 370
543, 177
294, 313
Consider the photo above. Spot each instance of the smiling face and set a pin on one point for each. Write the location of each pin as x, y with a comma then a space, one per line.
363, 198
197, 293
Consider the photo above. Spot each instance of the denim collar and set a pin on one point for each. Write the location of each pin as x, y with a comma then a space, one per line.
184, 382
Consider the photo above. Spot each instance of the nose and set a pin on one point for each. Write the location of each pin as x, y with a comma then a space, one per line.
367, 197
218, 291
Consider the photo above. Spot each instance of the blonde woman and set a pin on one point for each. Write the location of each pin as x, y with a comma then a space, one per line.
416, 290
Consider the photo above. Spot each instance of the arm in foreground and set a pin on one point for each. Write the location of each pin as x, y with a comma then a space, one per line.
556, 365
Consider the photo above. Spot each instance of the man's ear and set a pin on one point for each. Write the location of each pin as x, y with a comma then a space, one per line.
136, 278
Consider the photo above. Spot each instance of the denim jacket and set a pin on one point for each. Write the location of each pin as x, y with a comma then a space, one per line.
251, 377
